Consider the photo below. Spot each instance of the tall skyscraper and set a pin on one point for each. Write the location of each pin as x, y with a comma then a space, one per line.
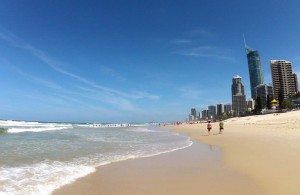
283, 79
255, 69
238, 95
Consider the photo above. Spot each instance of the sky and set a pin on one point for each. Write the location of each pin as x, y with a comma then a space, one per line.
135, 61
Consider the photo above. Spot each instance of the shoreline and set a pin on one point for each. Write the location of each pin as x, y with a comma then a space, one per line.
178, 172
256, 155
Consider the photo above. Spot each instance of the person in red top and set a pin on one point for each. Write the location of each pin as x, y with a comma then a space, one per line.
208, 127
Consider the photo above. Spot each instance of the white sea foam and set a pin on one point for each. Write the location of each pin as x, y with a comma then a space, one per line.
36, 129
41, 178
22, 126
86, 148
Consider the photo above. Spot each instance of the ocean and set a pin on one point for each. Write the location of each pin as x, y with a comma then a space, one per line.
37, 158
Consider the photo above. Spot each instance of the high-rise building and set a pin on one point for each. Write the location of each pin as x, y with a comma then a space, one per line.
194, 113
237, 86
239, 104
204, 114
255, 69
219, 109
211, 111
199, 116
264, 92
227, 108
283, 79
191, 117
238, 95
296, 82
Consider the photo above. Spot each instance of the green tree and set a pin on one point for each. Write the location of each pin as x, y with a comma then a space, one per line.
287, 104
297, 95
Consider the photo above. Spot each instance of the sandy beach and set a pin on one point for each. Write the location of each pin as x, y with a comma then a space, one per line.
265, 148
254, 155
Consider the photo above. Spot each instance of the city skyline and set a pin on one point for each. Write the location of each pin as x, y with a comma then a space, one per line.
129, 61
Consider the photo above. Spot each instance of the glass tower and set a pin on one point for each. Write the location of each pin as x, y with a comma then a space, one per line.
255, 70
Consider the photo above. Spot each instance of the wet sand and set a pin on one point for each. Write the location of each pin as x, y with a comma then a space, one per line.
254, 155
194, 170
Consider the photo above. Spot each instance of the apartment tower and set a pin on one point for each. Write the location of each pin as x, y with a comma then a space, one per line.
283, 79
238, 95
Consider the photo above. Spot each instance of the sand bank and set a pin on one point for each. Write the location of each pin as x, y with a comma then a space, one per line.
265, 148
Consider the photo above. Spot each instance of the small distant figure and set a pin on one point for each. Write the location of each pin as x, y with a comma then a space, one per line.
221, 125
208, 127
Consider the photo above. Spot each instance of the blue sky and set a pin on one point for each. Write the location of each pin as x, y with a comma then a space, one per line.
134, 61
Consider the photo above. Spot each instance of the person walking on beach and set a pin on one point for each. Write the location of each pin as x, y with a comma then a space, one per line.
208, 127
221, 125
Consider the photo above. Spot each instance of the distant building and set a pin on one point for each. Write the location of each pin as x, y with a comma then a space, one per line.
238, 95
194, 113
296, 82
219, 109
237, 87
264, 92
255, 69
227, 108
212, 111
239, 104
250, 104
283, 79
204, 114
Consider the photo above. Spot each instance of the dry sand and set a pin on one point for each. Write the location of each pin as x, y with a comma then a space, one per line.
266, 148
261, 155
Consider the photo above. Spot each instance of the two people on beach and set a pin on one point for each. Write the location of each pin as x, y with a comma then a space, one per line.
221, 127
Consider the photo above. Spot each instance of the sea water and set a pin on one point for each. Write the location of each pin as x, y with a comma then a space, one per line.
37, 158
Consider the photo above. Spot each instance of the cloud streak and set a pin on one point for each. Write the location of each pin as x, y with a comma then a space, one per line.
200, 32
116, 97
181, 41
208, 52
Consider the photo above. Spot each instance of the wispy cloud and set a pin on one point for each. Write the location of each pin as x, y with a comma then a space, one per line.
108, 71
40, 81
181, 41
116, 97
200, 32
207, 51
